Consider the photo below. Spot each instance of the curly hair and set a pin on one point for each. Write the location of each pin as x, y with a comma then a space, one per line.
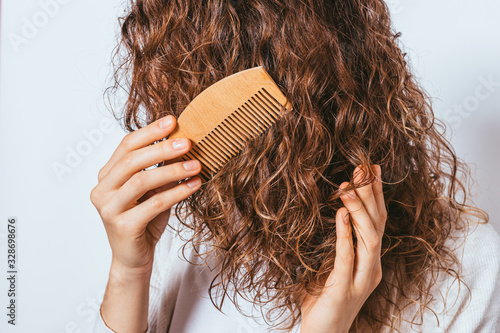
270, 211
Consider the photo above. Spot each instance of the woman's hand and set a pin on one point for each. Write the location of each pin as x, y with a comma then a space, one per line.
135, 205
355, 274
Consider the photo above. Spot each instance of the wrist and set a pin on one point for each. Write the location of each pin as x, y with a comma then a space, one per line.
125, 303
122, 272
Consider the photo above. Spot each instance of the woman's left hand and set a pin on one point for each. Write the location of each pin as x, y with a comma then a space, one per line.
355, 274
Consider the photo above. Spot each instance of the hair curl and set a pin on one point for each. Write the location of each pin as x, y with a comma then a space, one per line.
271, 209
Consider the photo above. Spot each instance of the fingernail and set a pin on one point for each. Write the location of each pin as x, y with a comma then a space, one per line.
165, 122
179, 143
190, 165
194, 182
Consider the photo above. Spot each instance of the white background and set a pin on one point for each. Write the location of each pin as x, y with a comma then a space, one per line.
52, 80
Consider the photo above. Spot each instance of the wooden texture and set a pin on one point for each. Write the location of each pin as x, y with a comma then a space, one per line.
221, 119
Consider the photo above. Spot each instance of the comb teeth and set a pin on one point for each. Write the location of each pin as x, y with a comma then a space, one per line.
226, 140
221, 120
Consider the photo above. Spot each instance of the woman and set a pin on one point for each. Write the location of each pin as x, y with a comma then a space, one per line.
349, 214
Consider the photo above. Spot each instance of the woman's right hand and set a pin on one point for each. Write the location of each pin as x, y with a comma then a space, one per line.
134, 205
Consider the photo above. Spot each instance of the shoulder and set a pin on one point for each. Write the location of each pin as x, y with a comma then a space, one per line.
472, 302
481, 237
477, 249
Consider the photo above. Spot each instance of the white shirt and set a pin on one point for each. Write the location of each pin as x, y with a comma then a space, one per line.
179, 300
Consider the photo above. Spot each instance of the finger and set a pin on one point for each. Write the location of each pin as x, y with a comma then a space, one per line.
360, 218
140, 138
143, 158
158, 203
142, 182
157, 225
342, 273
365, 193
379, 197
368, 240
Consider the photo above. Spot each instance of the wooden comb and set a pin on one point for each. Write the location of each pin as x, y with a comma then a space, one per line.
223, 116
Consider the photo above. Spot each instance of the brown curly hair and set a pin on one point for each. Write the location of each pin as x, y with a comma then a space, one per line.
271, 210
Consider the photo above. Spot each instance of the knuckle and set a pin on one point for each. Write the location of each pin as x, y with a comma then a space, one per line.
100, 174
128, 161
106, 214
176, 171
121, 224
164, 147
122, 227
126, 142
137, 181
95, 195
157, 203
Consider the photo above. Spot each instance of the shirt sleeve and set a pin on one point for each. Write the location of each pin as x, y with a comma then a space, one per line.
167, 267
472, 306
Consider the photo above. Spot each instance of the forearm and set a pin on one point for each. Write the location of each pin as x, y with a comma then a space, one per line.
124, 307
